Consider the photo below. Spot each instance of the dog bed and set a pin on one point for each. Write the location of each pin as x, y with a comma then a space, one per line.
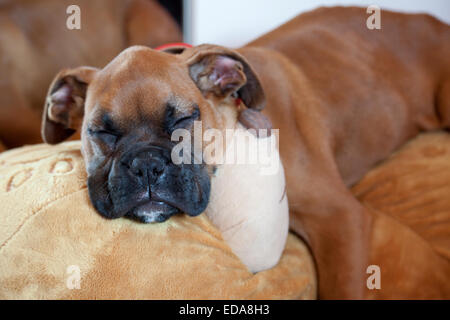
53, 245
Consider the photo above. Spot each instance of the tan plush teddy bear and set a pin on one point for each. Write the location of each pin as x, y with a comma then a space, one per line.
248, 201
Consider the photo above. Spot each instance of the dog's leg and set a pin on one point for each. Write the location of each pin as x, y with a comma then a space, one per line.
338, 230
443, 103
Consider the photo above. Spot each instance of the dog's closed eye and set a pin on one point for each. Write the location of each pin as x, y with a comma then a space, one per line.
172, 122
107, 137
106, 131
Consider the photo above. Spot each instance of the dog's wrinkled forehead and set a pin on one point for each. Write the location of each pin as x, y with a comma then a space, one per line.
140, 81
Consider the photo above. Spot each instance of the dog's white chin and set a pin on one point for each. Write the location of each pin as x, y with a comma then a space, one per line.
154, 211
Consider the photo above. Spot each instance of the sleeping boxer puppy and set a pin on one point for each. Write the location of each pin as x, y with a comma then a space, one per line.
35, 44
344, 98
128, 151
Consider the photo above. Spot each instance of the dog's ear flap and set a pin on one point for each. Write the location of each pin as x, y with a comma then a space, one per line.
252, 119
223, 72
64, 105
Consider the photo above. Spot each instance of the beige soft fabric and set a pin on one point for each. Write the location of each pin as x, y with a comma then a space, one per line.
248, 202
48, 229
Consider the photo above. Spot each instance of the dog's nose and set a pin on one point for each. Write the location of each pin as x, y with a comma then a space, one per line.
147, 166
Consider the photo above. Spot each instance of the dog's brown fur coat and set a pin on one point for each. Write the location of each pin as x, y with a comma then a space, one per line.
35, 44
344, 98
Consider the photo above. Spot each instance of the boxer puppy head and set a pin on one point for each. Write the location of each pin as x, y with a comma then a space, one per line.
127, 112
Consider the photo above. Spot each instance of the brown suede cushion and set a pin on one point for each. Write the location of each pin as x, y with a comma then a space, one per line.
47, 225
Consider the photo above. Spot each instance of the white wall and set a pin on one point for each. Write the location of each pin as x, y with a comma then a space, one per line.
234, 22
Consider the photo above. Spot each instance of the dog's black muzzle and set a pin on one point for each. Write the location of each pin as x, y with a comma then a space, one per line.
145, 184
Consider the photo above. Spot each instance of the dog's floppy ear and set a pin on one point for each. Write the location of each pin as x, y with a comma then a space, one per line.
64, 105
223, 72
252, 119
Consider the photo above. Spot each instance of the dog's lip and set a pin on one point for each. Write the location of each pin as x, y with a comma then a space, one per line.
154, 210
